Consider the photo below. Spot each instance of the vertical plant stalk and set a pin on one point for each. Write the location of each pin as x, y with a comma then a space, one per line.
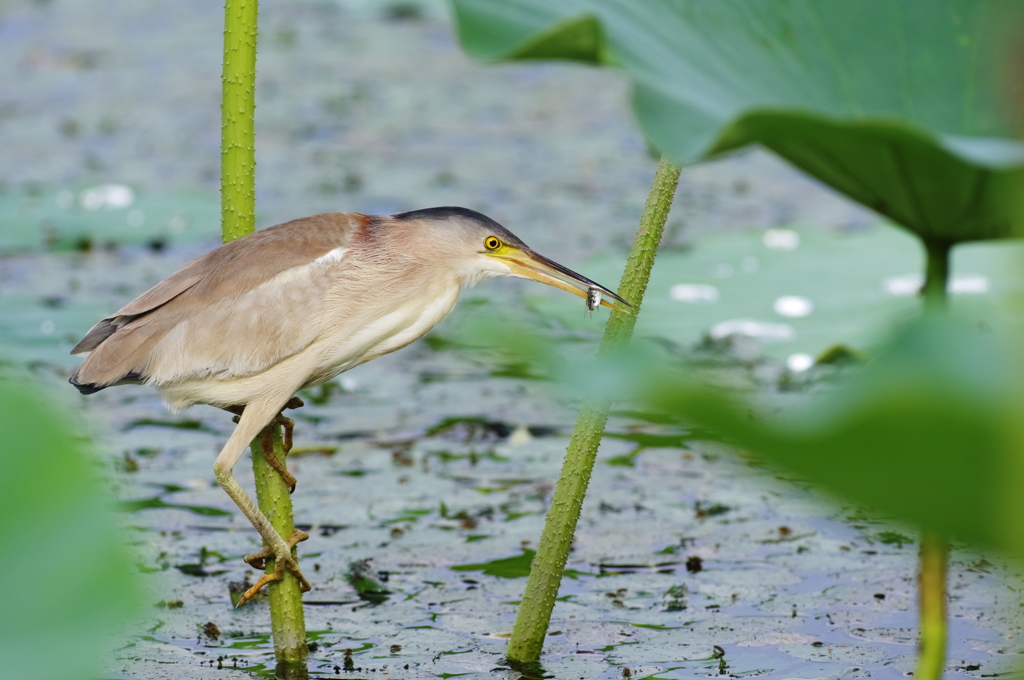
238, 116
553, 550
936, 278
287, 619
238, 218
931, 583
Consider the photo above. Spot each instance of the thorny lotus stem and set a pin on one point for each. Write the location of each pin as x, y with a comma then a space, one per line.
237, 111
238, 218
287, 620
931, 585
553, 550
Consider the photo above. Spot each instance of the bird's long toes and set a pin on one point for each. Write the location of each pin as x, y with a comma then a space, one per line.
264, 579
282, 561
291, 565
259, 560
298, 536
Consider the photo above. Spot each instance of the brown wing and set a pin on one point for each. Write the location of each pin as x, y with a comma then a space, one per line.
119, 345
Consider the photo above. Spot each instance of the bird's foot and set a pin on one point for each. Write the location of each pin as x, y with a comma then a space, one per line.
282, 560
267, 441
259, 560
288, 423
289, 428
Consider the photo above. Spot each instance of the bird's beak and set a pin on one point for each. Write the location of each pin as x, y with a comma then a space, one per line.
527, 264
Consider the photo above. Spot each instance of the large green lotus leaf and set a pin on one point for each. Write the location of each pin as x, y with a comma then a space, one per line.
940, 189
892, 102
67, 580
927, 433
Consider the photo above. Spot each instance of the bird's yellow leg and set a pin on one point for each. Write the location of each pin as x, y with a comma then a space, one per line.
253, 419
267, 445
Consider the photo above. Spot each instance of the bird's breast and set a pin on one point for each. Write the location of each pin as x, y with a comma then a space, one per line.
383, 334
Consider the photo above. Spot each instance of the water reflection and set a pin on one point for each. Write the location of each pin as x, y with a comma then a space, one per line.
798, 363
693, 293
793, 306
754, 329
781, 239
110, 196
910, 284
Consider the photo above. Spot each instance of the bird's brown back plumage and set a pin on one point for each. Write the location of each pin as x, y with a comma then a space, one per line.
118, 345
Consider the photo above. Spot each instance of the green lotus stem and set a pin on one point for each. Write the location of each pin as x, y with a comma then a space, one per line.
553, 550
237, 111
287, 620
931, 655
936, 278
238, 218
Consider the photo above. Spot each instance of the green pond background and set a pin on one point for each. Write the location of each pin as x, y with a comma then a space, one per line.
436, 463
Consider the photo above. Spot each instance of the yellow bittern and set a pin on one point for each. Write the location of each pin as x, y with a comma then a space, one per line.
246, 326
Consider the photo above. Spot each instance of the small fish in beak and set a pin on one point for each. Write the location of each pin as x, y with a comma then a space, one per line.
529, 264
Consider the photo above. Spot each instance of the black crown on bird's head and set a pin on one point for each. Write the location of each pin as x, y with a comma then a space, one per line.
450, 211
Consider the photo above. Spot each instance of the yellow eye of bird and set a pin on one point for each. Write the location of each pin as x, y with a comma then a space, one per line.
491, 243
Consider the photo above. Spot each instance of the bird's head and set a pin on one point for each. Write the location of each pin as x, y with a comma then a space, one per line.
478, 247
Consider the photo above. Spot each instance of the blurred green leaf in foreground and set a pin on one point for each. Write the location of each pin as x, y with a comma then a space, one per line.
65, 576
929, 432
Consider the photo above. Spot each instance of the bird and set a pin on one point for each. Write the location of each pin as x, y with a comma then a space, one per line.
249, 324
